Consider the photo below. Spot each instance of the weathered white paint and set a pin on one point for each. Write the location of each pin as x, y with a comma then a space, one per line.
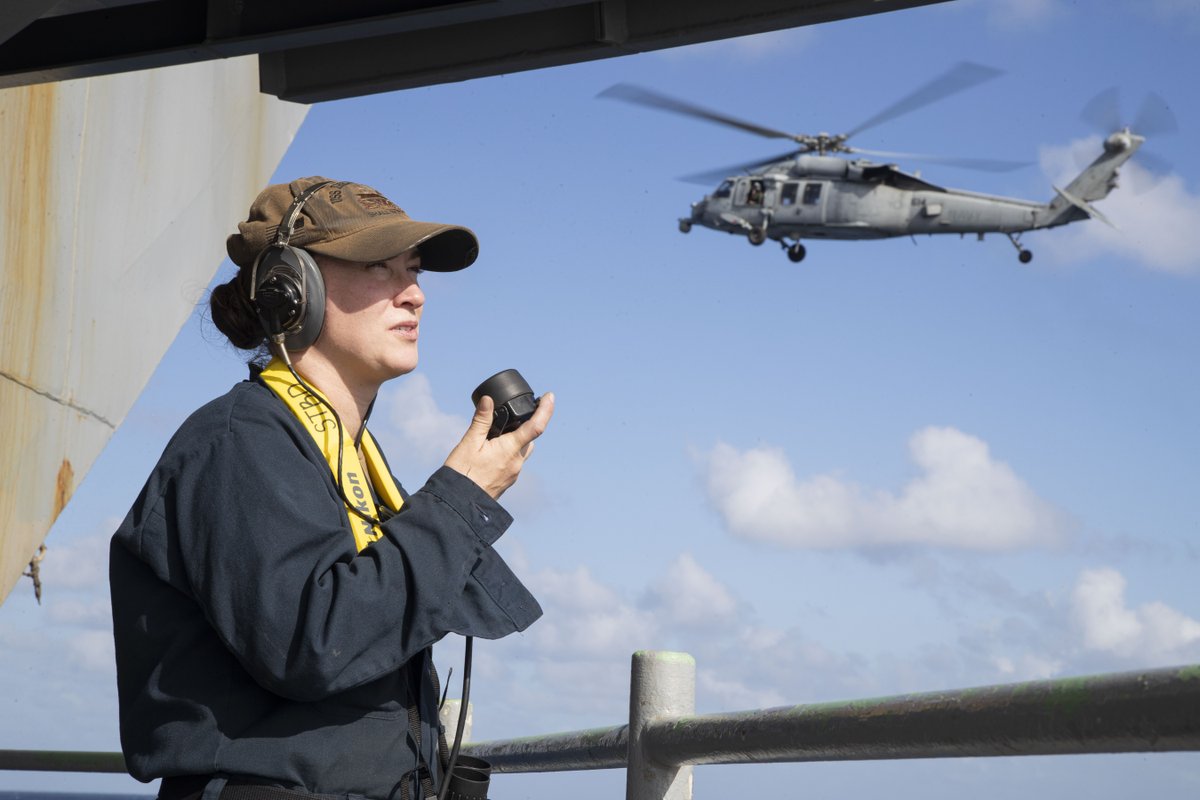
116, 194
662, 687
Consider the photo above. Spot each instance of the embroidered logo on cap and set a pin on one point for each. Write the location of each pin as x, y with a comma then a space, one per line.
377, 203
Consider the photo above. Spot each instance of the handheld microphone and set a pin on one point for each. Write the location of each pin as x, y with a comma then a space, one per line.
513, 399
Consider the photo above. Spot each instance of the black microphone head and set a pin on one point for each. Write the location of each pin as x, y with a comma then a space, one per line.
513, 401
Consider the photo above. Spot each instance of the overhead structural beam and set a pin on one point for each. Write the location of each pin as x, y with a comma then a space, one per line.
19, 13
613, 23
125, 36
556, 34
313, 50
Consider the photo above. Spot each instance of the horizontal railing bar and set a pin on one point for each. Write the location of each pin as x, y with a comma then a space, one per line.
596, 748
1142, 712
61, 761
1146, 711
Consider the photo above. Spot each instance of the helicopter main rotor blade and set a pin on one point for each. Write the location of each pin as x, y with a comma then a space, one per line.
982, 164
644, 97
1103, 112
1152, 169
709, 177
1154, 117
958, 78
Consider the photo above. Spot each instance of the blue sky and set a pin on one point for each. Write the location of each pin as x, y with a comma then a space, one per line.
898, 466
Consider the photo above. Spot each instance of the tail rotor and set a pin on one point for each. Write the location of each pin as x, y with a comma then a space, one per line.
1154, 118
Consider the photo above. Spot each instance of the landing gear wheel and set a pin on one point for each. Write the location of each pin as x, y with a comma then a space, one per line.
684, 226
756, 236
1023, 255
796, 253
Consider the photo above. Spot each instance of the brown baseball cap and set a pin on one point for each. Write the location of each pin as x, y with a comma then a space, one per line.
352, 222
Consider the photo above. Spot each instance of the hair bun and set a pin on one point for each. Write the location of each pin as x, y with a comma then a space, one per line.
233, 315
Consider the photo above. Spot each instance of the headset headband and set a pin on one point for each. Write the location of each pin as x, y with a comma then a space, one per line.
283, 233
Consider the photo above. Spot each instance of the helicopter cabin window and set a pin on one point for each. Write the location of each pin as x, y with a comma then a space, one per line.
812, 194
788, 197
724, 190
755, 196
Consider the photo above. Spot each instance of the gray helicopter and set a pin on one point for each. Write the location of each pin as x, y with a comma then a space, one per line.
809, 194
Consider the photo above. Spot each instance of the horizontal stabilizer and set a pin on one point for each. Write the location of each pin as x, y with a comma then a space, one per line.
1083, 206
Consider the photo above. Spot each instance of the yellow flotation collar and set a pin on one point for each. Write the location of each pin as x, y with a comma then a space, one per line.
318, 418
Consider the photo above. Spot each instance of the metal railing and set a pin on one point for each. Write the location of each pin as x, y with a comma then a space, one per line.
1150, 711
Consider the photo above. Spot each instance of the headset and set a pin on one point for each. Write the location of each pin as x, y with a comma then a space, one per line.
286, 289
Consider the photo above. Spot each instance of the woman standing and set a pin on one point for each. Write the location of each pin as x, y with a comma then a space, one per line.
275, 591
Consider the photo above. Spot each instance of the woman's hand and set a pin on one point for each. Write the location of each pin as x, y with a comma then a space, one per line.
494, 464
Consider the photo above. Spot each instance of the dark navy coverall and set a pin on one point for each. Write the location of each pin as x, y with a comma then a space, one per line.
254, 641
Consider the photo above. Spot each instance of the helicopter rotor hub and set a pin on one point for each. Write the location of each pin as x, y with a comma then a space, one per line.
1118, 142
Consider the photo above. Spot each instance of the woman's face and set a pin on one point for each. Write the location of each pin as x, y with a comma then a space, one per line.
372, 316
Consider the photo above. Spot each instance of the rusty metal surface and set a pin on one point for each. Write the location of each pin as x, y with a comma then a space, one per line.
596, 748
116, 194
1144, 712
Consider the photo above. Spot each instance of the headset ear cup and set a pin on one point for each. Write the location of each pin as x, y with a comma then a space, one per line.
312, 318
288, 294
286, 288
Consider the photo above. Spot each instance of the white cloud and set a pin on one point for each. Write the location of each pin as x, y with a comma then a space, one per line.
81, 563
964, 499
689, 595
752, 665
581, 648
1153, 632
95, 612
1159, 227
732, 693
429, 431
94, 651
1027, 667
586, 619
578, 653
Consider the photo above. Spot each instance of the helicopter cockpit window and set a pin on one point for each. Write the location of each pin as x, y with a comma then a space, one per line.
724, 190
812, 194
788, 197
